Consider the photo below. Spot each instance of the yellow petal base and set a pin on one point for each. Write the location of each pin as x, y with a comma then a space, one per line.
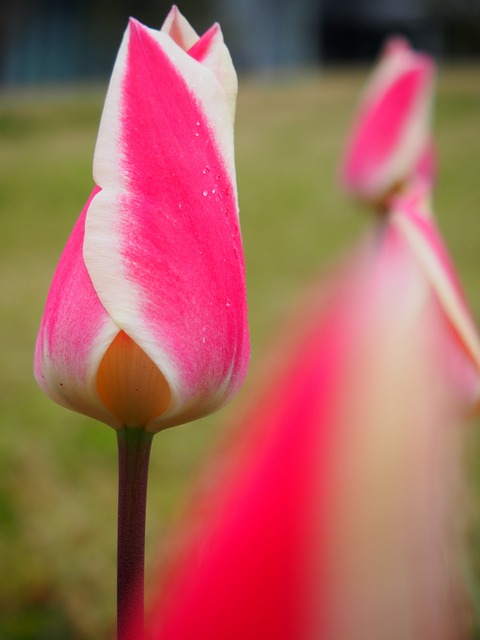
130, 385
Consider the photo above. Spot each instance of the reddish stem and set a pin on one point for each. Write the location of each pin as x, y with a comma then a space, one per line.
134, 446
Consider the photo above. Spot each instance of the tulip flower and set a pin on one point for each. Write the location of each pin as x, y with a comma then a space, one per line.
333, 513
145, 324
391, 140
152, 279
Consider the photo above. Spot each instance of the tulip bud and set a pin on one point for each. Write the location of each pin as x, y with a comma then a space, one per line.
391, 141
145, 323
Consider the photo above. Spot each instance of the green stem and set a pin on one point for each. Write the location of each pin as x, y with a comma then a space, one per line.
134, 446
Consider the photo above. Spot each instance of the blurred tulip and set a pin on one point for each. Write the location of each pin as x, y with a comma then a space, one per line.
398, 549
391, 140
335, 513
145, 323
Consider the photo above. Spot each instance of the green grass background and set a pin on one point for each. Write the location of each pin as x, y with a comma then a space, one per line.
58, 469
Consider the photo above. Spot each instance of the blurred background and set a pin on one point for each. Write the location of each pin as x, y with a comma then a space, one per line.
302, 65
68, 40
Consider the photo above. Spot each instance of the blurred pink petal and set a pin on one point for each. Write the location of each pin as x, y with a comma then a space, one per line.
158, 246
412, 215
391, 140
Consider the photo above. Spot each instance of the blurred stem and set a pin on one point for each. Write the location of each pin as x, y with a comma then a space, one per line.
134, 446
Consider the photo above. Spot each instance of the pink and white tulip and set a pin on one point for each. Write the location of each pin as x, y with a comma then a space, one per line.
391, 140
335, 515
146, 322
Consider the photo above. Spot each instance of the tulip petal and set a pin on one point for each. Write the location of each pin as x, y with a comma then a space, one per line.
74, 334
422, 235
164, 161
211, 51
179, 29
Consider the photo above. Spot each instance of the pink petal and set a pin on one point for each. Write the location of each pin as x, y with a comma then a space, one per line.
204, 45
162, 240
74, 334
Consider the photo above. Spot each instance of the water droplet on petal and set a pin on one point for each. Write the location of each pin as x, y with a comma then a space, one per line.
205, 193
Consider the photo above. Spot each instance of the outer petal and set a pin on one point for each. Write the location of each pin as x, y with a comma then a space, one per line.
162, 240
74, 333
391, 136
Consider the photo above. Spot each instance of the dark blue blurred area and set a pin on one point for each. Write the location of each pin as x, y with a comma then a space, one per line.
51, 41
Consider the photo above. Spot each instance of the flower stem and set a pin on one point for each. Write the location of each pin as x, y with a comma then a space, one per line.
134, 446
